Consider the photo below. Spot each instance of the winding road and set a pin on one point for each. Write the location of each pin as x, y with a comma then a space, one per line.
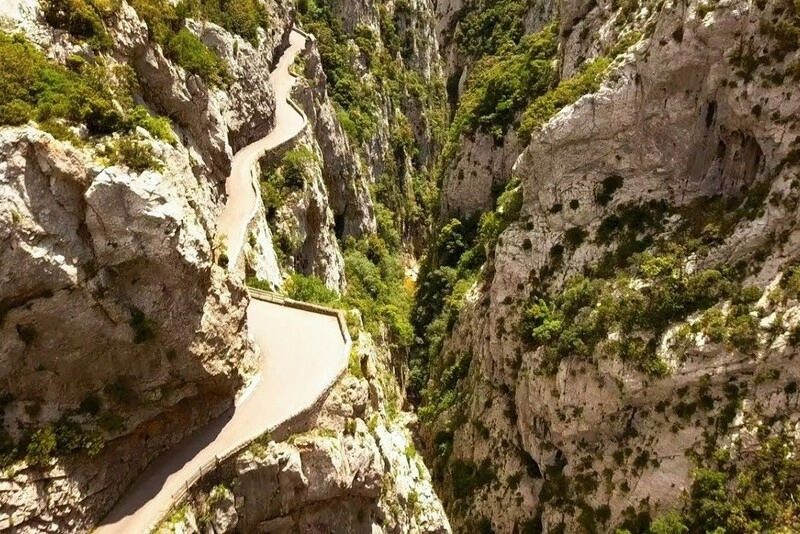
241, 206
302, 351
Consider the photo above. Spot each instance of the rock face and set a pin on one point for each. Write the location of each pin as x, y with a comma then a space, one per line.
479, 172
118, 325
355, 470
305, 222
345, 178
693, 113
480, 164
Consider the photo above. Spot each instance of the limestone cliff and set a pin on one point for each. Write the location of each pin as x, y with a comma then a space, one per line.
590, 380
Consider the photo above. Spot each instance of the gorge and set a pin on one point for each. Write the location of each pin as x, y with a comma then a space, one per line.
513, 266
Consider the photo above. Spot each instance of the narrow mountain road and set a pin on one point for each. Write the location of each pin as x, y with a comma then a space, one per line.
302, 352
241, 205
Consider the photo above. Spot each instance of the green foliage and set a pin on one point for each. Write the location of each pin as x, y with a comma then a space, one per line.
294, 165
759, 497
567, 92
443, 392
669, 524
136, 154
623, 44
575, 321
121, 391
376, 286
500, 86
353, 95
290, 175
62, 438
41, 447
354, 364
608, 187
487, 31
71, 437
446, 275
91, 405
159, 127
242, 17
188, 51
165, 27
467, 477
83, 19
144, 328
257, 283
310, 289
626, 9
34, 88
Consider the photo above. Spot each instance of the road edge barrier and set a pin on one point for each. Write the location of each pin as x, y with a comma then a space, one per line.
213, 464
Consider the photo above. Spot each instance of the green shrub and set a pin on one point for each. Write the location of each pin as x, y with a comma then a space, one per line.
310, 289
376, 286
71, 437
188, 51
8, 450
111, 422
670, 523
354, 97
82, 18
294, 165
136, 154
242, 17
41, 447
574, 321
608, 187
144, 328
290, 175
487, 31
33, 87
159, 127
466, 477
501, 86
90, 405
122, 392
743, 333
627, 9
354, 364
575, 236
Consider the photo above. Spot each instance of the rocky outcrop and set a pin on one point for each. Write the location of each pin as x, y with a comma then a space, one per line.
121, 259
345, 179
305, 222
260, 258
478, 174
693, 113
479, 166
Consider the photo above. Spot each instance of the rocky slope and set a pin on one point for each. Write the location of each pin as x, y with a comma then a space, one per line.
584, 404
351, 466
